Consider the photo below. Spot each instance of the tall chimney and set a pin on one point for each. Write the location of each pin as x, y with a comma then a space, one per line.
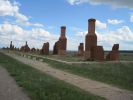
11, 42
91, 25
63, 31
26, 42
11, 45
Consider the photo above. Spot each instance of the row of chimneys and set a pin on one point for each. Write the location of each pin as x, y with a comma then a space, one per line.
91, 28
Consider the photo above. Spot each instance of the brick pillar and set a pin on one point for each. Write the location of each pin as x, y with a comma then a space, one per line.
11, 45
45, 49
91, 25
81, 49
98, 53
56, 48
26, 47
63, 31
62, 42
90, 40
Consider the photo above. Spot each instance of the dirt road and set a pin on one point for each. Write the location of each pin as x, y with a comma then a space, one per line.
9, 89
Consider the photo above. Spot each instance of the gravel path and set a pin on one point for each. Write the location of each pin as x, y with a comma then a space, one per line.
94, 87
9, 89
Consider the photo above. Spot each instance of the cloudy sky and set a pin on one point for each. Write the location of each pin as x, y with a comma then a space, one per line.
39, 21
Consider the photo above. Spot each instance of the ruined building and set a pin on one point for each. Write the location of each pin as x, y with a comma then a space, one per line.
25, 48
45, 49
33, 50
98, 53
92, 51
11, 46
114, 54
61, 45
55, 49
81, 49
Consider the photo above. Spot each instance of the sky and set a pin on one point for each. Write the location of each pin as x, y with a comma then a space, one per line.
39, 21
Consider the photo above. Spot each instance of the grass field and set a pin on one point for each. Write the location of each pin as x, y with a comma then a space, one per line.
40, 86
126, 56
117, 74
70, 58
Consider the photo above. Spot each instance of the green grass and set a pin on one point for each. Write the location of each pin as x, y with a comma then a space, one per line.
117, 74
40, 86
126, 56
68, 57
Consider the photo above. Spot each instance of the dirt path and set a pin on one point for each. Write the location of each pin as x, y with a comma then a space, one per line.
9, 89
94, 87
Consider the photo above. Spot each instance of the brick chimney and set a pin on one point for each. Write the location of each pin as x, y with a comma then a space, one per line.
91, 25
26, 43
63, 31
11, 42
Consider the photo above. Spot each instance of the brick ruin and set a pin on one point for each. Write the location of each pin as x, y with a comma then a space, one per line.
45, 49
55, 49
114, 54
38, 50
25, 48
90, 40
98, 53
92, 51
33, 50
61, 45
11, 46
80, 49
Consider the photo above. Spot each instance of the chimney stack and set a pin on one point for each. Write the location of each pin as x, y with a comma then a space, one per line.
63, 31
11, 43
26, 42
91, 25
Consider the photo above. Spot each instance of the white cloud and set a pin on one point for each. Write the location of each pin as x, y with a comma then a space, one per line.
21, 17
81, 34
114, 21
113, 3
100, 25
122, 35
73, 2
72, 44
36, 36
7, 9
7, 28
27, 23
131, 18
12, 9
24, 20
